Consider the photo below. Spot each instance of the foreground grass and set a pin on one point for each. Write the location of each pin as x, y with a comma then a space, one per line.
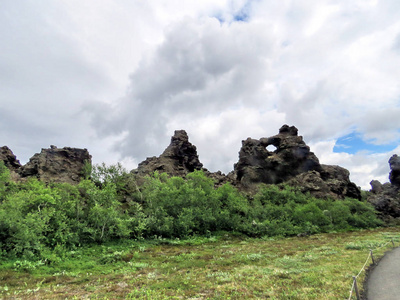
226, 267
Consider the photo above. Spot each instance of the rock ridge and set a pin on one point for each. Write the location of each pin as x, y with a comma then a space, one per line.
62, 165
292, 162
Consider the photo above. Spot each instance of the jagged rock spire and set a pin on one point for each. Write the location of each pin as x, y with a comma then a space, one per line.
178, 159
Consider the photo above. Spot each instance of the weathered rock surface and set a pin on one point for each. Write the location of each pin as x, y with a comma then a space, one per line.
57, 165
258, 165
10, 161
178, 159
386, 197
292, 162
50, 165
376, 187
394, 175
386, 201
338, 181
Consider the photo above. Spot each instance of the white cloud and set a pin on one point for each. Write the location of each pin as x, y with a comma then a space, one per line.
122, 75
201, 70
364, 167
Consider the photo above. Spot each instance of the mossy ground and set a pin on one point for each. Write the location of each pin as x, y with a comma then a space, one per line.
224, 267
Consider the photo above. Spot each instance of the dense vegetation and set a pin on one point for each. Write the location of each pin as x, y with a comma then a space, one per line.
42, 222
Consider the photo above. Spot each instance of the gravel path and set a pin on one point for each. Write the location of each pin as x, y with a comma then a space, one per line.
384, 280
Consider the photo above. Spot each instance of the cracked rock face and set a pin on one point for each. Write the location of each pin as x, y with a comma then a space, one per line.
292, 162
57, 165
50, 165
386, 197
178, 159
292, 157
10, 161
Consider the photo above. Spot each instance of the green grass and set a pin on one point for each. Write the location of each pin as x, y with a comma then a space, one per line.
225, 267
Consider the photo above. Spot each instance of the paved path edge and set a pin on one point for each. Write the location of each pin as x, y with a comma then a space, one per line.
369, 270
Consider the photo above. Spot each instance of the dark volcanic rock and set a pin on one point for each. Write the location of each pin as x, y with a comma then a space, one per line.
57, 165
376, 186
292, 162
9, 159
386, 197
292, 157
332, 181
311, 182
178, 159
338, 181
386, 201
394, 175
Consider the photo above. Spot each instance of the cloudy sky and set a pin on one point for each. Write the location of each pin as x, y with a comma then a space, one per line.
119, 76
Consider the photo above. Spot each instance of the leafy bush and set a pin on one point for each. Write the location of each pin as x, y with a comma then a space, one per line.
29, 221
41, 222
125, 184
178, 207
281, 210
4, 180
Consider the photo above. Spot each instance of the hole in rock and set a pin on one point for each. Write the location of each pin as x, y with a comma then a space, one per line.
271, 148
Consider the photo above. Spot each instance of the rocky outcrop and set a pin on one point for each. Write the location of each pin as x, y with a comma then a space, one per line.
293, 163
178, 159
394, 175
50, 165
332, 181
57, 165
258, 165
338, 181
386, 197
10, 161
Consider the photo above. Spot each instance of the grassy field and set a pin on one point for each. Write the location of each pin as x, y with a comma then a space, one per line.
224, 267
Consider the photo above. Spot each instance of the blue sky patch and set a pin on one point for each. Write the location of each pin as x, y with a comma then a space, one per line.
241, 15
353, 143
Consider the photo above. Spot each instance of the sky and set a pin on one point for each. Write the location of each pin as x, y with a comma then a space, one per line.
119, 76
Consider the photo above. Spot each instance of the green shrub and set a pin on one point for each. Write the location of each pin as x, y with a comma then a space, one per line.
28, 220
39, 221
4, 180
43, 222
178, 207
25, 265
125, 184
285, 211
